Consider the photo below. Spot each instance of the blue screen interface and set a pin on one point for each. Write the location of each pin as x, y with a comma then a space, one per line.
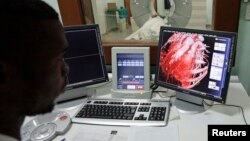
130, 71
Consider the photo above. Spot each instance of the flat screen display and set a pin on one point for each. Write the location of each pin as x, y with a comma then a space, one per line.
84, 56
196, 62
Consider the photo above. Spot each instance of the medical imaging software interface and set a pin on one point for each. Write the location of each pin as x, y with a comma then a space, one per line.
130, 71
195, 62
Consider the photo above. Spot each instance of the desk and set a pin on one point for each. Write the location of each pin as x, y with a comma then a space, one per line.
190, 127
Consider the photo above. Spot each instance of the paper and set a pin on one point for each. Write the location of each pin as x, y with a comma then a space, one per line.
141, 133
90, 136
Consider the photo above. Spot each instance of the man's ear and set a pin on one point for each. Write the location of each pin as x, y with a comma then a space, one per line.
2, 74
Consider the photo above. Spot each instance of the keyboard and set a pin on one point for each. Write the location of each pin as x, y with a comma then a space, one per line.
129, 112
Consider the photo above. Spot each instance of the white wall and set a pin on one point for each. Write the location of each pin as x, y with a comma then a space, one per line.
199, 15
161, 7
54, 4
119, 3
99, 7
209, 11
243, 49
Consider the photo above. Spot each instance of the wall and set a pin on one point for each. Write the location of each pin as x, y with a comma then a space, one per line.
96, 5
243, 52
119, 3
54, 4
99, 8
199, 15
209, 4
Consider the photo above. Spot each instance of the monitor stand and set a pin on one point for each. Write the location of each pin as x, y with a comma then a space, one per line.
189, 104
73, 94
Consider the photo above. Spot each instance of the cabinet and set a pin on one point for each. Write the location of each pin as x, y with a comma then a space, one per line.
76, 12
226, 15
71, 12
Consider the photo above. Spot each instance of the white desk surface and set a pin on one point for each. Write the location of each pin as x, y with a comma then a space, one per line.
191, 127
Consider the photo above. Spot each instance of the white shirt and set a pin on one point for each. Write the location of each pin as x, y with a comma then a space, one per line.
7, 138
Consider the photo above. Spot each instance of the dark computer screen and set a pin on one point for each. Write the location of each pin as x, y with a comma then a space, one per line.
196, 62
84, 56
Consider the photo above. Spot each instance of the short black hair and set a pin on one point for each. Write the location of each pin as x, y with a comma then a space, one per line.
16, 17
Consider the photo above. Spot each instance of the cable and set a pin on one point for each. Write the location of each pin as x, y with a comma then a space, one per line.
163, 96
237, 106
153, 87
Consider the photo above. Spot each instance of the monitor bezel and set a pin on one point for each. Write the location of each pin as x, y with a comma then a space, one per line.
231, 62
105, 77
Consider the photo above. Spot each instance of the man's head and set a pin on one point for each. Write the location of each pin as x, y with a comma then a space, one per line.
32, 69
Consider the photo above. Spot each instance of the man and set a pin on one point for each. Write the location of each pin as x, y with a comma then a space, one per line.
32, 69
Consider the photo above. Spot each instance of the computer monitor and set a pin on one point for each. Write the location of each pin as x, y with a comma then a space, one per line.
195, 63
130, 72
85, 59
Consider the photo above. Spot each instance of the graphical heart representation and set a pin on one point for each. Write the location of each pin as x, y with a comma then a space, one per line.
184, 59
